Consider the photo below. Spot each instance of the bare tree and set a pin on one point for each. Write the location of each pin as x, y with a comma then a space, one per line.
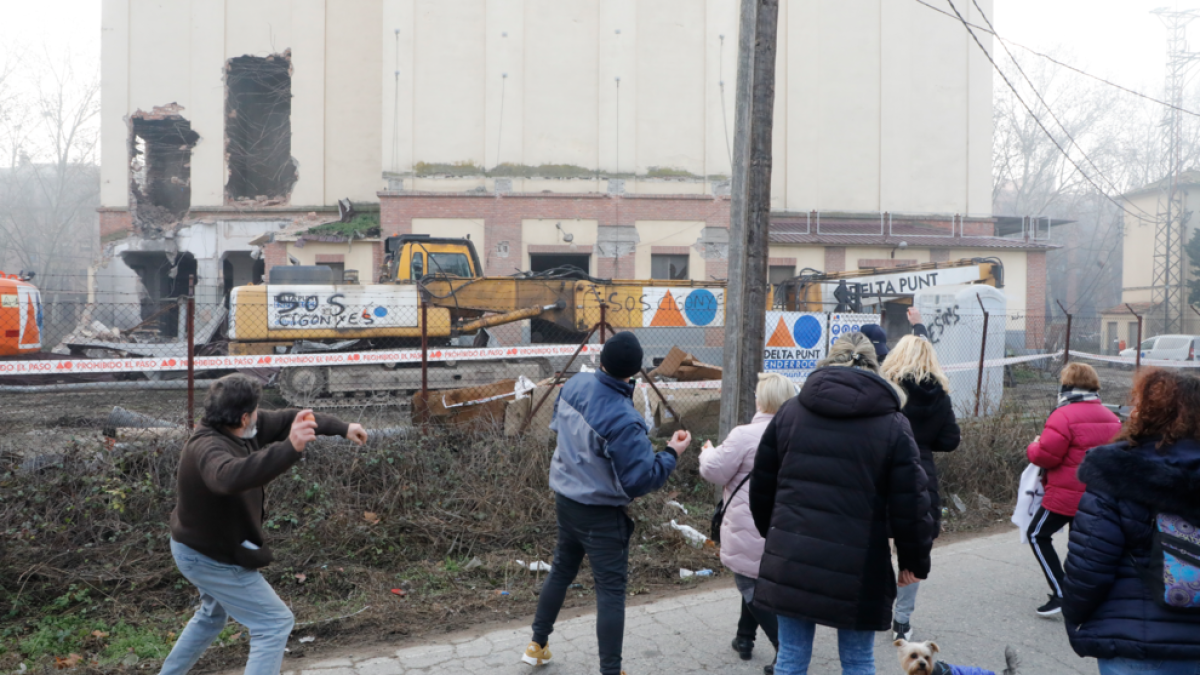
50, 190
1101, 144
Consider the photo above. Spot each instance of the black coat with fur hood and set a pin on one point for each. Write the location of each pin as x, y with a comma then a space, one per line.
1108, 609
837, 467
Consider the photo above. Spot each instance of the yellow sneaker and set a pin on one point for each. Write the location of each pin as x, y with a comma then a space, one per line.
536, 655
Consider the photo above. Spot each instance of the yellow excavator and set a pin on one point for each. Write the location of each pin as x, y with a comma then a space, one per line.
304, 309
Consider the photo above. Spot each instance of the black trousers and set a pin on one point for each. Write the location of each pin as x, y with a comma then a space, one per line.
602, 534
1045, 524
752, 619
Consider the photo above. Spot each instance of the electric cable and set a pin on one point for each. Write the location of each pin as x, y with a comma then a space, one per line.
1036, 119
1066, 65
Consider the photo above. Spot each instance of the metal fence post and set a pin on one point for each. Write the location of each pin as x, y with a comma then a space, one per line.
1067, 346
603, 320
191, 352
424, 349
982, 355
1137, 354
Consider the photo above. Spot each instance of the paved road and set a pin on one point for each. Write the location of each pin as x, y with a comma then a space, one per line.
980, 598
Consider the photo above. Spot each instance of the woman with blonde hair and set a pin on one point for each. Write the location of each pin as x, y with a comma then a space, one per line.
836, 470
729, 464
913, 365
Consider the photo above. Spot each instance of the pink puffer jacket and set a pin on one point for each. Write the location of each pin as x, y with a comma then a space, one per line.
1070, 432
727, 464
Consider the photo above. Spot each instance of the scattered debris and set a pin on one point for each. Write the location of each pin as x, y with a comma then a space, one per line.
704, 572
685, 573
305, 640
684, 367
679, 506
537, 566
691, 534
400, 592
371, 517
958, 503
65, 662
301, 577
474, 562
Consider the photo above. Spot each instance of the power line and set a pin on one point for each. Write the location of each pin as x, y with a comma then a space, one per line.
1064, 65
1046, 105
1036, 119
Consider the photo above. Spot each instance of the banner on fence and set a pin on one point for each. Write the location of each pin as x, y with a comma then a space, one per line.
307, 307
138, 365
795, 342
840, 324
682, 307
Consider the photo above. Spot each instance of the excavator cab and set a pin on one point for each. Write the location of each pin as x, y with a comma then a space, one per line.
412, 257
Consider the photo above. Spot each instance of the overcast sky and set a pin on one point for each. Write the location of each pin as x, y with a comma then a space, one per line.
1118, 39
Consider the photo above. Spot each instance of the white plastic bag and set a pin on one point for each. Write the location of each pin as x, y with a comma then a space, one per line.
1029, 499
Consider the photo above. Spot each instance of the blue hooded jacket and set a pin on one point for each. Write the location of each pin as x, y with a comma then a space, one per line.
1108, 609
604, 456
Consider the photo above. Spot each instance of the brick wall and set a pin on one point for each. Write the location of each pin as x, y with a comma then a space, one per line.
1035, 299
835, 259
113, 222
274, 253
884, 263
502, 216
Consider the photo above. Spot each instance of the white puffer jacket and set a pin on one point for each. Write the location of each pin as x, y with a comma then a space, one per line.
726, 465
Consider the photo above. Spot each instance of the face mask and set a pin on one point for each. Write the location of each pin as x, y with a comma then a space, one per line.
251, 432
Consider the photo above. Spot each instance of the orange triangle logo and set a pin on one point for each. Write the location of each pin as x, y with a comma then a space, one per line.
782, 337
668, 314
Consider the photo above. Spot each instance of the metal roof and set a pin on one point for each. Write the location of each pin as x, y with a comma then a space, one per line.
919, 241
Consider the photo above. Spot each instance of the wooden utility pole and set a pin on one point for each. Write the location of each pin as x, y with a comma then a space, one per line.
750, 212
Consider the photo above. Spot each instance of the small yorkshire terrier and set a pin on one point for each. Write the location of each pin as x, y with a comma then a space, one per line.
916, 658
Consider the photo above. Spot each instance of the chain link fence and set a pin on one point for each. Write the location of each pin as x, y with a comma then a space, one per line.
406, 367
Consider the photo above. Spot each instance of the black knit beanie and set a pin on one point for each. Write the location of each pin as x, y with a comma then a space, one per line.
622, 356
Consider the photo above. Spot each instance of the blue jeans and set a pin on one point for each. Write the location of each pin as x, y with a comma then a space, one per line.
856, 648
906, 602
229, 591
1151, 667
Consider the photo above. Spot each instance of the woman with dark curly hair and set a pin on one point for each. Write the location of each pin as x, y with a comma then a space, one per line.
1152, 469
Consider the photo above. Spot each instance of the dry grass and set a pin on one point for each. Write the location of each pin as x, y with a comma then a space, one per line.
86, 543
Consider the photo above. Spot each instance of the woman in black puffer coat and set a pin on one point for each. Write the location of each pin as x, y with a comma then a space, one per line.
1154, 467
913, 365
836, 469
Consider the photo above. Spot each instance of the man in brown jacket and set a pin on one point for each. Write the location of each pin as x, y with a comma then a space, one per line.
216, 528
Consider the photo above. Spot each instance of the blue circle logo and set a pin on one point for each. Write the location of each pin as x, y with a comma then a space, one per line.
700, 307
381, 312
807, 331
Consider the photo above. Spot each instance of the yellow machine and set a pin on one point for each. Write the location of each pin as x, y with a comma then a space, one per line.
447, 275
301, 309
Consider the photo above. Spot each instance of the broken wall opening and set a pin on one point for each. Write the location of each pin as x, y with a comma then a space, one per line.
160, 161
164, 279
258, 128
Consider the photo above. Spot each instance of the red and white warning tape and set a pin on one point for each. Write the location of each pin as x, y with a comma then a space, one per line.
1129, 360
992, 363
140, 365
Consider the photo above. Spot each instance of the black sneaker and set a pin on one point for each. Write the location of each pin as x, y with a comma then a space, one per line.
1054, 606
743, 647
901, 631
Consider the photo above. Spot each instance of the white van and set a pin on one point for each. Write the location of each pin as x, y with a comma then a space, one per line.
1168, 348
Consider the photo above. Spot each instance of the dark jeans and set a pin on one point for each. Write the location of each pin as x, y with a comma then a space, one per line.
602, 534
1045, 524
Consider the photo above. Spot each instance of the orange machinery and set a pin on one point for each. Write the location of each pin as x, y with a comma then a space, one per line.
20, 316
